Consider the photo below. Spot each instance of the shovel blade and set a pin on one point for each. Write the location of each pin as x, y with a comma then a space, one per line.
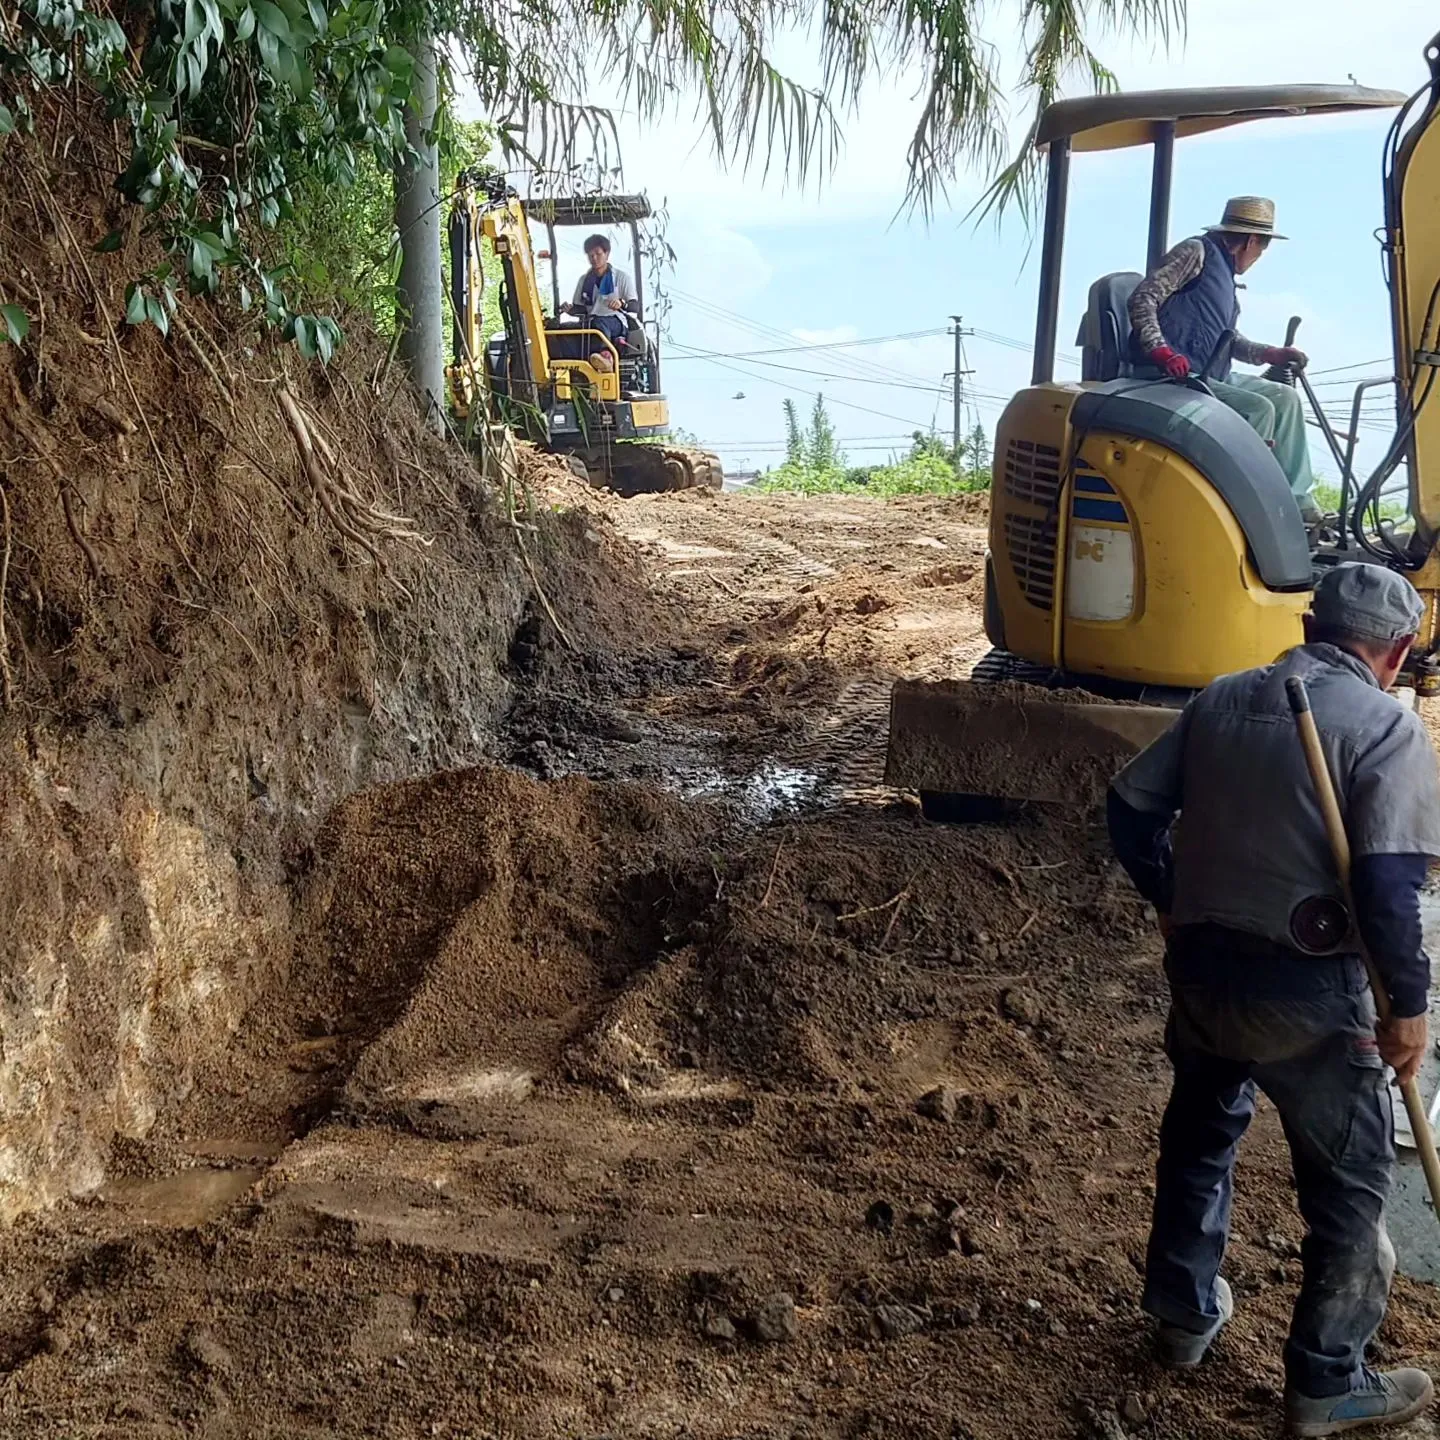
1012, 741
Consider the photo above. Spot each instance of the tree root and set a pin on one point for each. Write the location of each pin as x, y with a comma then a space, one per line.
357, 520
7, 676
206, 364
76, 534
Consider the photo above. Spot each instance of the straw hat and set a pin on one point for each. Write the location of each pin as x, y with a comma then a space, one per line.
1248, 215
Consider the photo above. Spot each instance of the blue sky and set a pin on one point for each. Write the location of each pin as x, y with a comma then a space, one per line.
761, 266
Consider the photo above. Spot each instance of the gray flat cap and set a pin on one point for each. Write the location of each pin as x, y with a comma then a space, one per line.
1367, 600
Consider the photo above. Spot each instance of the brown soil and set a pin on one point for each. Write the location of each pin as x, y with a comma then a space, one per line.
588, 1110
695, 1088
203, 647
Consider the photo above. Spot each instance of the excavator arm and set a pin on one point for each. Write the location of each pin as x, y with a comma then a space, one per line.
486, 212
1412, 256
1412, 222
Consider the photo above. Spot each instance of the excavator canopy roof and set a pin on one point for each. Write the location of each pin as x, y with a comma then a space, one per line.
589, 209
1112, 122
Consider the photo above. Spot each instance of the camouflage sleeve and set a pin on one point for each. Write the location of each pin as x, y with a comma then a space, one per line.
1247, 352
1175, 271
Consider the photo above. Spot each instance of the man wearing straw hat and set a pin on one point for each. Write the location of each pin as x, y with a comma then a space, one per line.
1181, 309
1268, 990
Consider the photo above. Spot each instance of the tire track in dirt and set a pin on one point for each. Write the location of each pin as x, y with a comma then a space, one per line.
828, 600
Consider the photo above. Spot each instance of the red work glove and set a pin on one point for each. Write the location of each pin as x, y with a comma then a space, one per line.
1285, 355
1175, 365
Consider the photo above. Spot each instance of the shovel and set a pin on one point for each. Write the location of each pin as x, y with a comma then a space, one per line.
1324, 785
1403, 1133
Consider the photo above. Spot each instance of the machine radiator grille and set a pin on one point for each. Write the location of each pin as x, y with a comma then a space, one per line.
1032, 514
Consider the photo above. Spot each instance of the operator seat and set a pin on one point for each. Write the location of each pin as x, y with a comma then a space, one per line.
1104, 337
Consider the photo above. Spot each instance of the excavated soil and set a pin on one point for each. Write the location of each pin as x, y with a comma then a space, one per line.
724, 1099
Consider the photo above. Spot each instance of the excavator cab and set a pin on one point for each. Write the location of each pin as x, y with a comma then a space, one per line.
539, 377
638, 354
1143, 539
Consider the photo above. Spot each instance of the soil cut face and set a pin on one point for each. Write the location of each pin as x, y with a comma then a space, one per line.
596, 1109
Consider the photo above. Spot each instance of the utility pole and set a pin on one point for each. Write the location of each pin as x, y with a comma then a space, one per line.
956, 378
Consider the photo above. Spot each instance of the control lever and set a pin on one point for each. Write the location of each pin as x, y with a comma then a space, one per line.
1285, 372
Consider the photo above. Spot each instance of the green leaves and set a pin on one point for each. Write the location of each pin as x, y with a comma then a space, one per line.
153, 304
7, 121
15, 323
317, 337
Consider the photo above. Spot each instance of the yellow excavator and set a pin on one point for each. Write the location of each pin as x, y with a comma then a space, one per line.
1143, 539
537, 377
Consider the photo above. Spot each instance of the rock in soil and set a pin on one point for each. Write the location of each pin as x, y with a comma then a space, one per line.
774, 1318
1100, 1423
895, 1321
1134, 1410
718, 1327
1021, 1005
941, 1103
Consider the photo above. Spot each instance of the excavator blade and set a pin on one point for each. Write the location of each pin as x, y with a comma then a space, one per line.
1012, 741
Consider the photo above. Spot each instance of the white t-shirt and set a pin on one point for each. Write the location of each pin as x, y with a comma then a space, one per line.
614, 284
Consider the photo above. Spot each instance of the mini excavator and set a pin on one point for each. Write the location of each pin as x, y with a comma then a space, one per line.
609, 423
1143, 539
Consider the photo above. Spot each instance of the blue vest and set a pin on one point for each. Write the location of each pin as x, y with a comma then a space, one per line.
1195, 316
593, 286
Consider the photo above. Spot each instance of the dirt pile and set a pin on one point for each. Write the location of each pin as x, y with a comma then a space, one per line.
841, 1129
520, 907
234, 587
822, 961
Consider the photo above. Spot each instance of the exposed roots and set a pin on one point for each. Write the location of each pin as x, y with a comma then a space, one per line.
355, 518
7, 676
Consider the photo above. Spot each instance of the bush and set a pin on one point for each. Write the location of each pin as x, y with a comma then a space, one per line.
815, 466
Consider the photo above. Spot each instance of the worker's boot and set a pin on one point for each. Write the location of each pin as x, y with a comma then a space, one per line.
1391, 1397
1182, 1349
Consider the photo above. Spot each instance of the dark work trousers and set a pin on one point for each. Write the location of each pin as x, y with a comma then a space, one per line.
1246, 1014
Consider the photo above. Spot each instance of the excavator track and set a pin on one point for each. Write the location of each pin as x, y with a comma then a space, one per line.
649, 469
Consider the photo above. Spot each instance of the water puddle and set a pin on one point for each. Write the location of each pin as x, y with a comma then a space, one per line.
765, 794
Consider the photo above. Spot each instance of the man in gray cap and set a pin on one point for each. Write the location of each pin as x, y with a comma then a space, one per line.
1179, 311
1268, 992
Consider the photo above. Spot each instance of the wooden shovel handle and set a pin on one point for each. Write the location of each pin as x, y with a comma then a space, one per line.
1324, 784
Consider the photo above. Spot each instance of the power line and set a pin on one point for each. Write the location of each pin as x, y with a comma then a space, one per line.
804, 370
1011, 343
825, 345
1358, 365
834, 399
859, 366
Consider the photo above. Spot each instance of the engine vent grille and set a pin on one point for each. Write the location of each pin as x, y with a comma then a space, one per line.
1032, 514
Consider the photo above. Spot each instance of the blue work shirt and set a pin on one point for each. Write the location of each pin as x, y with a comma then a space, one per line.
1250, 843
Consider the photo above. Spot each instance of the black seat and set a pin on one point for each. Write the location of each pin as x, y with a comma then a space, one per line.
1104, 337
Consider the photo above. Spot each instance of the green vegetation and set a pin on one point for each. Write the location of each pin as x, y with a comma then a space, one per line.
234, 115
815, 465
341, 247
1327, 497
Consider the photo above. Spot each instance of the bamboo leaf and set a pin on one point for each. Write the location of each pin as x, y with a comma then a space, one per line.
16, 322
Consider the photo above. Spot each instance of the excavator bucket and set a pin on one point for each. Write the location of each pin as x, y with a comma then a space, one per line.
1012, 741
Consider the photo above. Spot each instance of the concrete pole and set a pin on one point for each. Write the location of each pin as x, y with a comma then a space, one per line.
955, 393
417, 219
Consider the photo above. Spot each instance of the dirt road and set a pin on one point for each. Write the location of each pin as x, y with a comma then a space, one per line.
716, 1097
